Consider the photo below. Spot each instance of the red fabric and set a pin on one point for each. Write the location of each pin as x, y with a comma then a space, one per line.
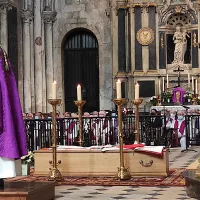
132, 146
182, 127
175, 140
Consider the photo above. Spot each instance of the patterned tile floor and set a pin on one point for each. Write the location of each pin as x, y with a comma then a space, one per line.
177, 159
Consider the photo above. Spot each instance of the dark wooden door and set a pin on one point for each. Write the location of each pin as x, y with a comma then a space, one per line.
81, 66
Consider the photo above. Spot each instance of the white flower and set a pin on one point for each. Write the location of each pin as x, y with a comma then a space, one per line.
23, 157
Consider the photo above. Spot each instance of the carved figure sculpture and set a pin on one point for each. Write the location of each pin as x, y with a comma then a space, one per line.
166, 4
185, 35
180, 41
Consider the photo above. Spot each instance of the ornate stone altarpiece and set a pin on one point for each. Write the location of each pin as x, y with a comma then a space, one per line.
182, 14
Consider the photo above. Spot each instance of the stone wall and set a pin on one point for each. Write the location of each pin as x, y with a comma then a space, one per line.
92, 15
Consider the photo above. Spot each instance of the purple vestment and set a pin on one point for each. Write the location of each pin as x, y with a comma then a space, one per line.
13, 143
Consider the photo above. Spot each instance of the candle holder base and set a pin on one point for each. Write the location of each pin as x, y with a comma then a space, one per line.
55, 175
119, 101
80, 102
123, 173
54, 101
137, 101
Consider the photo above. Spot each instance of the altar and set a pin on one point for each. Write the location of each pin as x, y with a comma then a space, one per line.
87, 162
176, 108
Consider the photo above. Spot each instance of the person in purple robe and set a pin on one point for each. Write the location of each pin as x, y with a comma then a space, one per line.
13, 142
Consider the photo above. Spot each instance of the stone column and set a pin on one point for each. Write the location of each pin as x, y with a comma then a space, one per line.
26, 16
145, 49
49, 17
131, 54
121, 40
122, 74
199, 29
4, 25
157, 40
32, 68
132, 32
38, 55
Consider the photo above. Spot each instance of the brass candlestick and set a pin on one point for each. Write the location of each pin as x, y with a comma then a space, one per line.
54, 174
80, 104
137, 103
123, 172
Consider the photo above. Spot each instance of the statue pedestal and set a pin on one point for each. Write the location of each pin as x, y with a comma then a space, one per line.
171, 67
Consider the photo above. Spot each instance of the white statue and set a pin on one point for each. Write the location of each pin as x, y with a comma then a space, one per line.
185, 35
180, 41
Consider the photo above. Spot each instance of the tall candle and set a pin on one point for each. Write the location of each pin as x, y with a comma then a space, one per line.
159, 87
54, 90
119, 89
192, 83
188, 80
196, 86
163, 84
167, 81
79, 93
137, 91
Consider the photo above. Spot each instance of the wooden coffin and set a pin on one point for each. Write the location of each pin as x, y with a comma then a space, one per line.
96, 163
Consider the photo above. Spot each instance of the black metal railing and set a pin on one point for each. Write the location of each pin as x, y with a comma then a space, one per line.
104, 130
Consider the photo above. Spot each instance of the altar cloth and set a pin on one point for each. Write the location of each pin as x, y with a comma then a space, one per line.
175, 108
152, 150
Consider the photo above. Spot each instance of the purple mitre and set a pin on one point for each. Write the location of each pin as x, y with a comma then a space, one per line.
13, 142
182, 92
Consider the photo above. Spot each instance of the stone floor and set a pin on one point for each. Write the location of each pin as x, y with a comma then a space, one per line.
177, 159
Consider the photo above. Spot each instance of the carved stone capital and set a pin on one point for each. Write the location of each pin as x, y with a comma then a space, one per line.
5, 7
7, 3
49, 16
26, 15
144, 6
125, 7
121, 2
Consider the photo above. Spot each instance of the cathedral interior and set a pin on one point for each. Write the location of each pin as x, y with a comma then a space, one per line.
95, 43
98, 55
